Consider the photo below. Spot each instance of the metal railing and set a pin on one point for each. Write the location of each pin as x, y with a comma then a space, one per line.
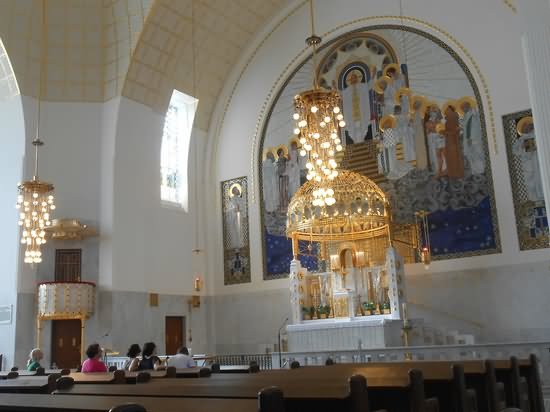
264, 361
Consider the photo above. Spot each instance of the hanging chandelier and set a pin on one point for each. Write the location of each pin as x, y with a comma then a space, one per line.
35, 201
318, 120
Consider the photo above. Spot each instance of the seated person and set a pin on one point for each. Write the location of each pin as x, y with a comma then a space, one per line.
35, 357
94, 363
182, 359
132, 363
150, 360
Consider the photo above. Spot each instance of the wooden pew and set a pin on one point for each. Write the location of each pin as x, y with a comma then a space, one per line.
98, 377
52, 403
530, 370
29, 384
4, 374
403, 390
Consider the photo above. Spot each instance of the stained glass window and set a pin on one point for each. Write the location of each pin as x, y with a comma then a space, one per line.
174, 153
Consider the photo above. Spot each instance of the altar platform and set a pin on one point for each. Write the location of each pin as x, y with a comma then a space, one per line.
364, 332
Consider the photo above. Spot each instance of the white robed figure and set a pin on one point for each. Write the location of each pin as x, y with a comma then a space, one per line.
293, 170
389, 98
525, 149
406, 134
235, 215
397, 81
473, 144
356, 99
270, 183
395, 168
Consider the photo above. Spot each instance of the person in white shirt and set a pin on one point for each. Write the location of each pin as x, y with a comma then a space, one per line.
182, 359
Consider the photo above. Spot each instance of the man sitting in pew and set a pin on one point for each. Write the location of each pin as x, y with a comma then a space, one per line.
182, 359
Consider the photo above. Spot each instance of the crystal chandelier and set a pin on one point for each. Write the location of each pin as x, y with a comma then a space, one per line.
318, 121
35, 204
35, 201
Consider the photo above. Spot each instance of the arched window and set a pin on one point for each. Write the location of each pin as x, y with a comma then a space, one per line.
174, 152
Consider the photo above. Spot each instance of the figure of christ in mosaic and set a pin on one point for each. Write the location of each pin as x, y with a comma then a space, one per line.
358, 104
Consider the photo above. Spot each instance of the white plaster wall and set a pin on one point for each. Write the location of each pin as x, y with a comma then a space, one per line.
151, 242
494, 44
104, 160
11, 158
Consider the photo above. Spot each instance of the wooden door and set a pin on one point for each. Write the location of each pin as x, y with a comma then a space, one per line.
66, 343
174, 333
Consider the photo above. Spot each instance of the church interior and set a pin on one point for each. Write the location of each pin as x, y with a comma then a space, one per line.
275, 205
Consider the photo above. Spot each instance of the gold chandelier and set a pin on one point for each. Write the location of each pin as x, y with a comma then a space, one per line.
318, 120
35, 201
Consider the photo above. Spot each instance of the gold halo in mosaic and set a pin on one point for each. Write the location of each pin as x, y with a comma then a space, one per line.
461, 102
392, 66
419, 101
378, 84
447, 104
522, 123
235, 186
387, 122
402, 91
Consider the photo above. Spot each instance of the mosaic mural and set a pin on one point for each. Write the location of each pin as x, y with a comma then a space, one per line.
414, 125
531, 215
236, 250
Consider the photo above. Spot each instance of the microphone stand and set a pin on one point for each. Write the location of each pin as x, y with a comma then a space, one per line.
279, 343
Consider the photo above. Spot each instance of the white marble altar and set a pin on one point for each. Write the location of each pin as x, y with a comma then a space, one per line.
349, 324
367, 332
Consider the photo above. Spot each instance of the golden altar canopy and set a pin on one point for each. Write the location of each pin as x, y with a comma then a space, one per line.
360, 220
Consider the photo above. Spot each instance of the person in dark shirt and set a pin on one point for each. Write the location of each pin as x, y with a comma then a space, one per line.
150, 360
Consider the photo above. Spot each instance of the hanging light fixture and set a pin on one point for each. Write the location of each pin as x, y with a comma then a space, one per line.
318, 120
198, 281
424, 243
35, 201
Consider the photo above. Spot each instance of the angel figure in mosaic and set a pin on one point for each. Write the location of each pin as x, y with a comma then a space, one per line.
235, 215
525, 148
471, 134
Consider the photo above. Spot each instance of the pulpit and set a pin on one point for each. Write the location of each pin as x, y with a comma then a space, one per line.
65, 300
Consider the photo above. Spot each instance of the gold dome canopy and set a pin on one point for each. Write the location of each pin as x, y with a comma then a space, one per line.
360, 207
359, 219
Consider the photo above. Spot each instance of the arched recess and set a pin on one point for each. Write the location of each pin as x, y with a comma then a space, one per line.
438, 74
12, 133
